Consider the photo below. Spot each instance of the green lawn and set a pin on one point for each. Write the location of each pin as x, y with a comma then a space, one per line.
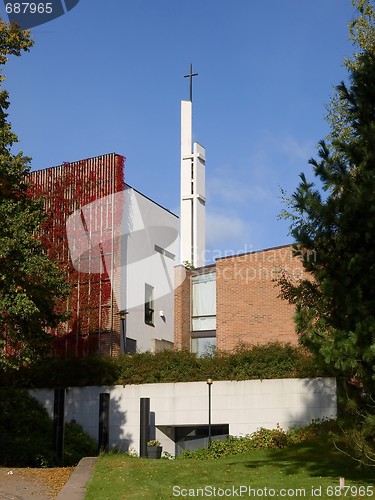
302, 471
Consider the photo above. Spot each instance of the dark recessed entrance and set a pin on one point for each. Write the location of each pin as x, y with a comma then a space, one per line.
193, 437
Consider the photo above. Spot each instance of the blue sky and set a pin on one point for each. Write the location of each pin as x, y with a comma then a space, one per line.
108, 77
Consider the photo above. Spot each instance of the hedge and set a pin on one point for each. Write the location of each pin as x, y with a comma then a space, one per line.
258, 362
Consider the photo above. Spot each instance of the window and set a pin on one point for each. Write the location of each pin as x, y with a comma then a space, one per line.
203, 346
131, 345
149, 305
203, 302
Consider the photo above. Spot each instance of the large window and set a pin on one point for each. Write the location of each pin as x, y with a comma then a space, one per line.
203, 302
149, 305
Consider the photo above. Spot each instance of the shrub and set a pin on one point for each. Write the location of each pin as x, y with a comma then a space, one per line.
262, 438
270, 438
77, 444
72, 372
357, 428
153, 442
26, 433
257, 362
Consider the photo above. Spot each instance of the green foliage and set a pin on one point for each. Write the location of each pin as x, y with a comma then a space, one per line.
72, 372
362, 36
153, 442
257, 362
358, 442
30, 284
273, 360
263, 438
26, 434
167, 366
77, 444
336, 307
357, 426
25, 431
362, 29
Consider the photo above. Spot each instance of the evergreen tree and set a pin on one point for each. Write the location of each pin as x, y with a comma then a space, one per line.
362, 36
31, 285
335, 231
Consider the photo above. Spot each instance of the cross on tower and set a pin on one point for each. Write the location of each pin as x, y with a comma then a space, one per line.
190, 75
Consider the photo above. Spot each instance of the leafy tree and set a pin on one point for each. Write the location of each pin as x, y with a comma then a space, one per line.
334, 226
362, 36
30, 283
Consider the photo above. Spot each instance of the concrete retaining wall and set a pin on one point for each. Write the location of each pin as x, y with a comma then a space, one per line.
244, 405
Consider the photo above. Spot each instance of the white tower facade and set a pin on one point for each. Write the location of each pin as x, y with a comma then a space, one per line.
193, 193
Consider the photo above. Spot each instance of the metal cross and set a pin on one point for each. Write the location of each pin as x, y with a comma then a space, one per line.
190, 75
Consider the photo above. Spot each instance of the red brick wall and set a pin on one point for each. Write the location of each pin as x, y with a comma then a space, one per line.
248, 307
182, 309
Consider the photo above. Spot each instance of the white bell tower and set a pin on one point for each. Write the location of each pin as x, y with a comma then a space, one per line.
193, 189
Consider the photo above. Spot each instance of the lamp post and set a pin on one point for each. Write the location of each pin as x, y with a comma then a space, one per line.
123, 330
209, 383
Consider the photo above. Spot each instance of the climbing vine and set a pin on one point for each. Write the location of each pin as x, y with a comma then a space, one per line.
65, 190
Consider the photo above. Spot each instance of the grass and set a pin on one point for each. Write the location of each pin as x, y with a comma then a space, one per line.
307, 470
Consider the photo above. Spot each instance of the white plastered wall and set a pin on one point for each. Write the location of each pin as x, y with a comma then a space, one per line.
150, 225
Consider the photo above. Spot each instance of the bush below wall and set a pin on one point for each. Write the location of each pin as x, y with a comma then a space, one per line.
26, 435
265, 438
270, 361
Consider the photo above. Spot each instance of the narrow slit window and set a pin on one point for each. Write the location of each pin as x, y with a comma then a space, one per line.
149, 305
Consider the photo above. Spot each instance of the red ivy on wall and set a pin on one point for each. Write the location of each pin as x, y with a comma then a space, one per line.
93, 325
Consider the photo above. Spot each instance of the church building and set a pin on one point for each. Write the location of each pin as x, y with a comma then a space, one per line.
139, 280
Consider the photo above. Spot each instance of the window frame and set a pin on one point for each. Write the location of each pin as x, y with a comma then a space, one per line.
149, 310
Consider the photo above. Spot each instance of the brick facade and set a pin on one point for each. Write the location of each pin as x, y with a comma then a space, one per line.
182, 309
248, 307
